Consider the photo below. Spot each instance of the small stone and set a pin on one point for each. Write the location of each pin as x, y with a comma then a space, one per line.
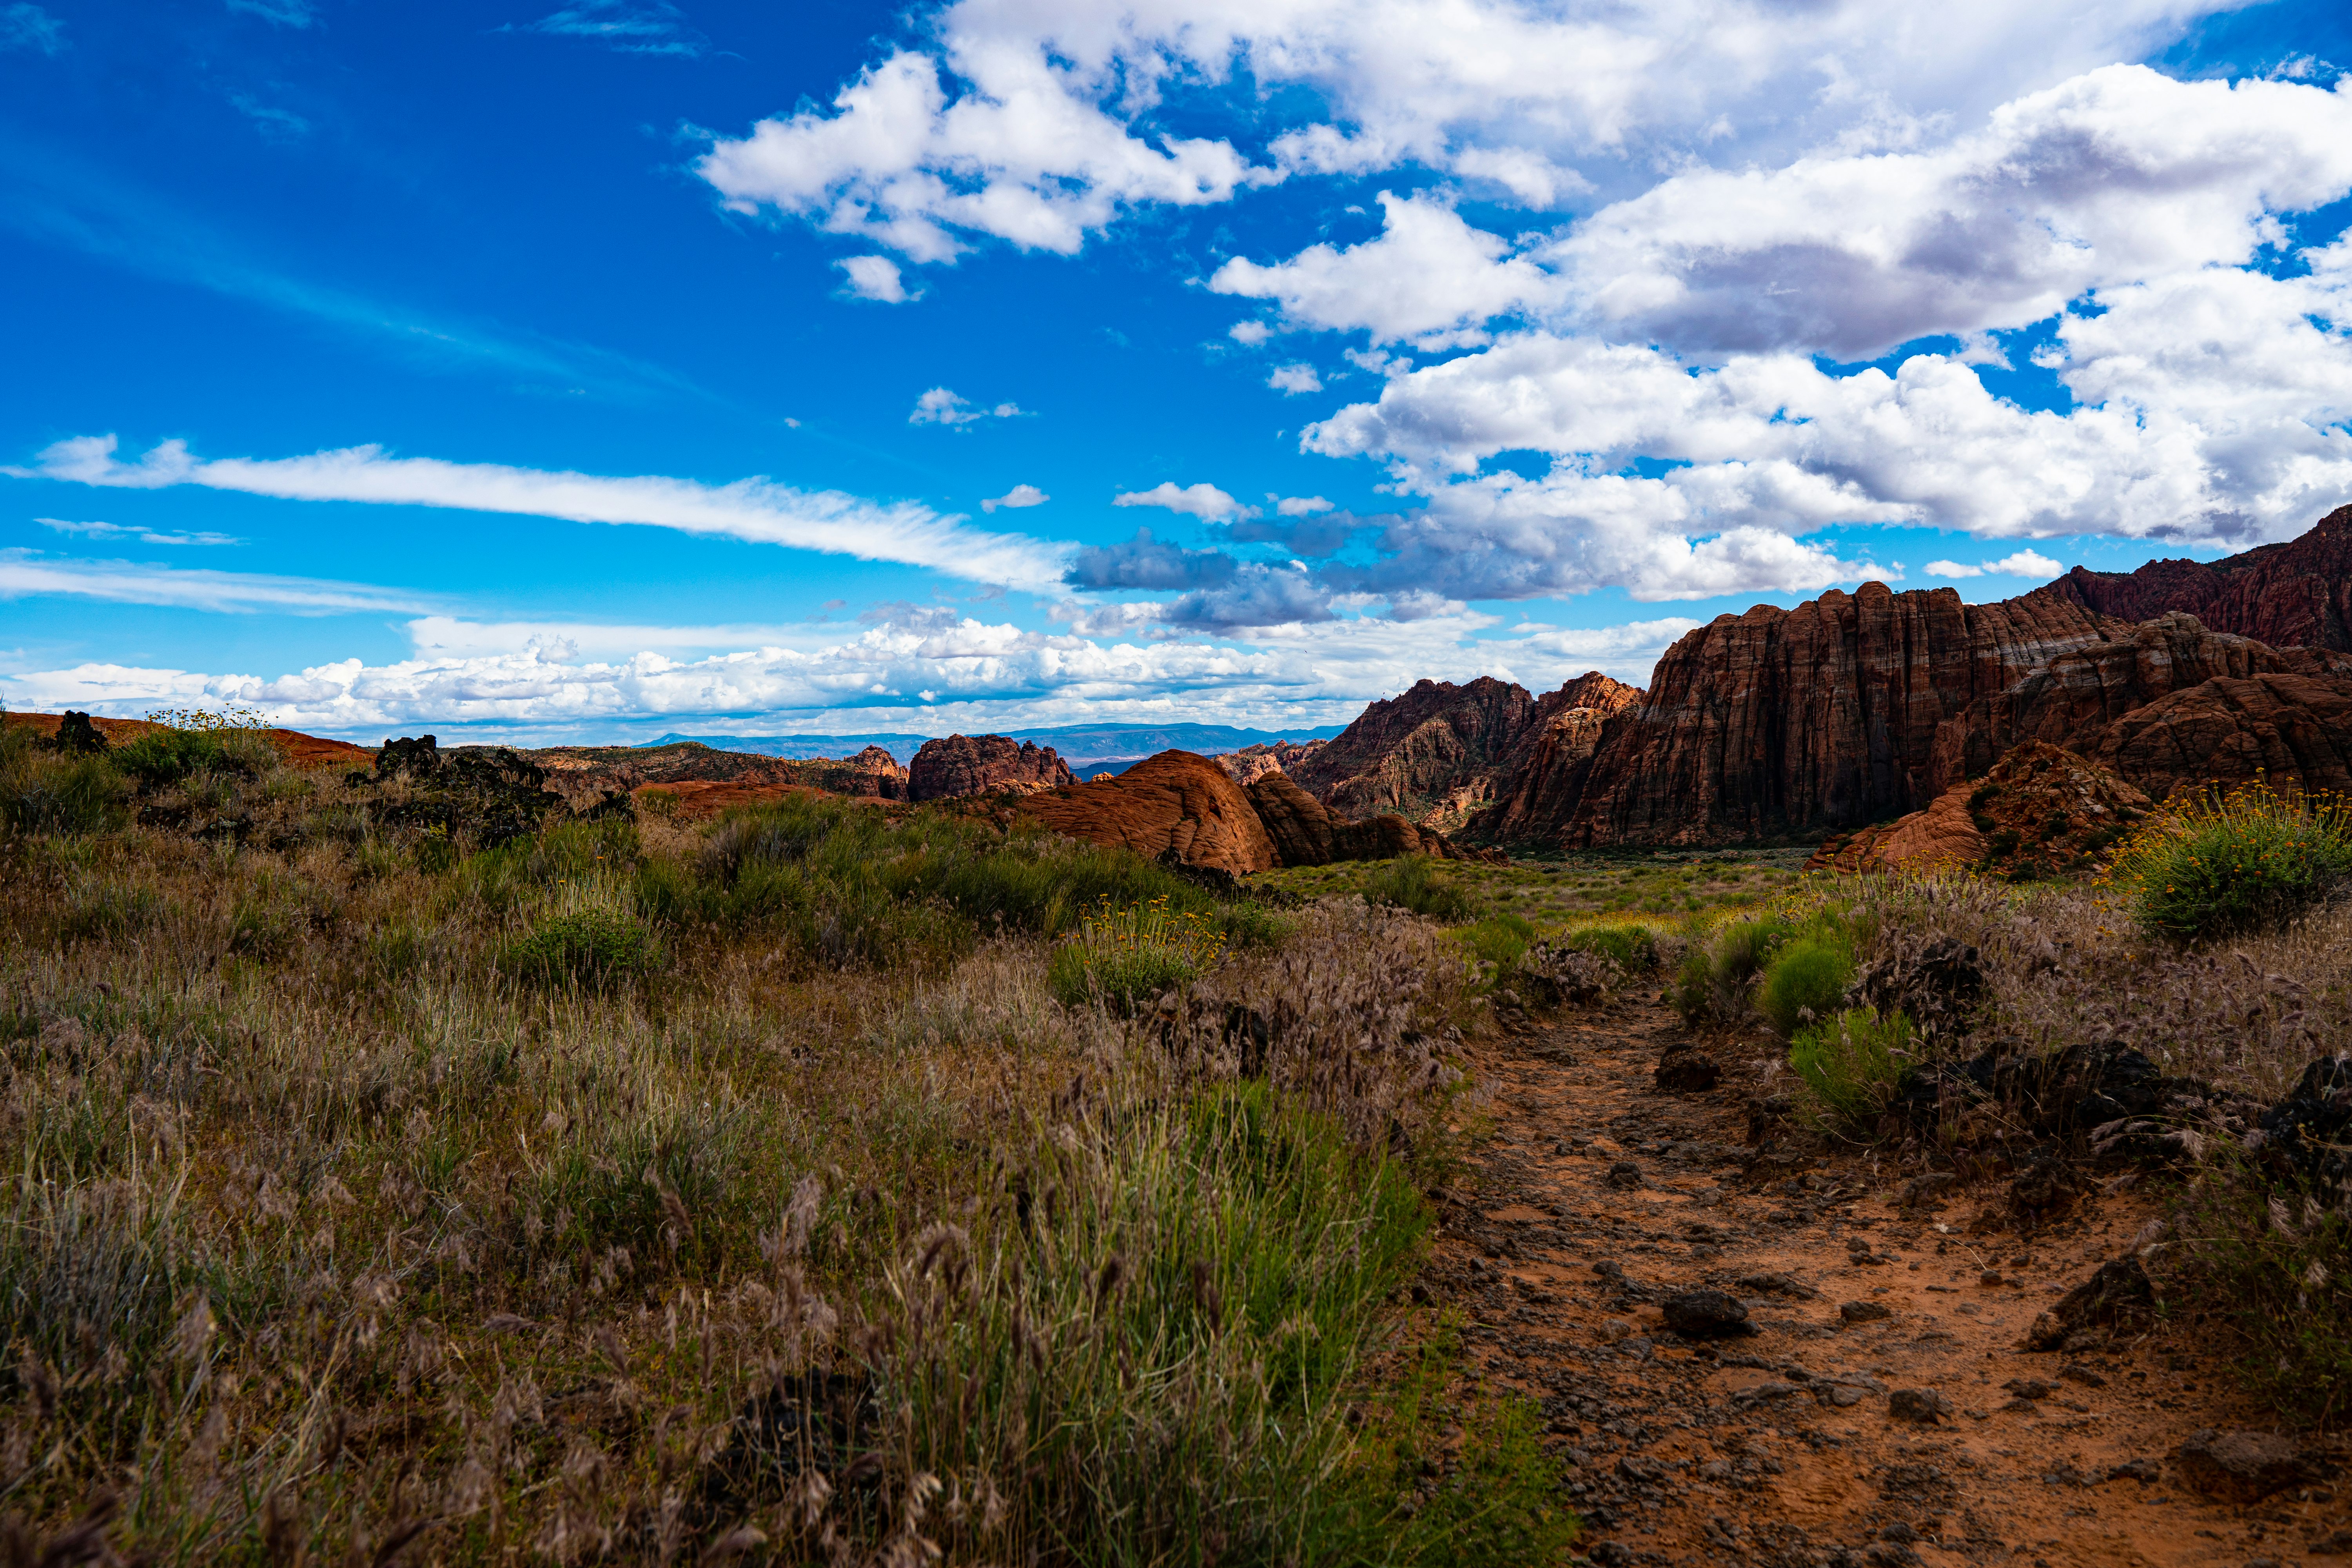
1863, 1312
1686, 1069
2241, 1466
1707, 1315
1640, 1471
1615, 1329
1990, 1277
1624, 1173
1923, 1405
2140, 1470
2030, 1387
2084, 1376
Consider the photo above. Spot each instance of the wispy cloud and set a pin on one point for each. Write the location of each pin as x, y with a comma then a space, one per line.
277, 124
279, 13
631, 27
144, 535
23, 573
56, 198
26, 26
942, 406
757, 509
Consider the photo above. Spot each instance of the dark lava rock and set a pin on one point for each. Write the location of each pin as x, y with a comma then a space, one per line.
2030, 1387
2044, 1186
1624, 1175
413, 757
1863, 1312
2243, 1467
1936, 986
77, 736
1776, 1284
1686, 1070
2305, 1133
1707, 1315
1923, 1406
1926, 1189
2118, 1294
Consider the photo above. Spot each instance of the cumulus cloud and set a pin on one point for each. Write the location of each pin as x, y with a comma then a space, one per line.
1429, 278
942, 406
1017, 497
1249, 333
1293, 379
755, 509
874, 277
1301, 506
2022, 563
1144, 561
1205, 502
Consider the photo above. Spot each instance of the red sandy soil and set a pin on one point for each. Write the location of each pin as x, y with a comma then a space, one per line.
1721, 1453
300, 751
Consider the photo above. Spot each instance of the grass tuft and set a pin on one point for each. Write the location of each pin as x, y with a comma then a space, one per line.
2227, 863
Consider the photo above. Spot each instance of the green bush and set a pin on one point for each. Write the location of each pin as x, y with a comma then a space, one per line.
1125, 955
1499, 940
2287, 1290
1851, 1063
1633, 948
2232, 864
42, 792
1252, 924
1712, 981
1414, 882
164, 757
1808, 974
588, 944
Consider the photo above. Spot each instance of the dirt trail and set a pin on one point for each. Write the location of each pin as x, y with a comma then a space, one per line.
1781, 1447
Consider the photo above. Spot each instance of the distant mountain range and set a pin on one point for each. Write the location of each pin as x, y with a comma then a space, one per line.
1077, 744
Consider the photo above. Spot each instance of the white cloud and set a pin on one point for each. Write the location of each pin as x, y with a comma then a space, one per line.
1532, 179
1430, 279
1301, 506
2024, 563
1205, 502
755, 509
144, 535
942, 406
1293, 379
27, 26
631, 26
1017, 497
1249, 333
876, 277
275, 124
23, 573
279, 13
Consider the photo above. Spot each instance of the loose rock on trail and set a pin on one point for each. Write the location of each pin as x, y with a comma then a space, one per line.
1851, 1387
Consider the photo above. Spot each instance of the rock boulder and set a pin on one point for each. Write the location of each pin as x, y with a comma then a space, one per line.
1176, 803
984, 765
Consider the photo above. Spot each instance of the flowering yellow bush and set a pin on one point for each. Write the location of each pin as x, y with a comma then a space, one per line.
1123, 954
2224, 863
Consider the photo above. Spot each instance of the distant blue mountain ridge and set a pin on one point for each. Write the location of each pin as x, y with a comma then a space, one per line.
1077, 744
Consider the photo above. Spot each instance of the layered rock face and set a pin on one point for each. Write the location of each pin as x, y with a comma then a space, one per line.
2041, 812
1176, 803
2292, 729
1431, 754
873, 774
1778, 723
1252, 763
1305, 833
981, 764
2296, 594
1543, 777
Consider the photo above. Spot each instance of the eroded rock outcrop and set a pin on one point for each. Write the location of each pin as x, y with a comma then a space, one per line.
1431, 754
1543, 777
2294, 595
1252, 763
1176, 803
1779, 724
2041, 812
2292, 729
1305, 833
984, 765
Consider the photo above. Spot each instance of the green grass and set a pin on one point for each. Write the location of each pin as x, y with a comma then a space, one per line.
1579, 886
1806, 979
1425, 887
2285, 1290
1849, 1063
1499, 940
2233, 864
1124, 956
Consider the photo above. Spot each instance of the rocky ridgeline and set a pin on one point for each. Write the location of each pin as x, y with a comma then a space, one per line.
983, 764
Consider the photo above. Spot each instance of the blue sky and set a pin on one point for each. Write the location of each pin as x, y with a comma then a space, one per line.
593, 370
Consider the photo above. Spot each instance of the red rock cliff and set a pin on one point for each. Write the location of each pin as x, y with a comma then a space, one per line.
978, 764
1543, 777
1431, 754
2294, 595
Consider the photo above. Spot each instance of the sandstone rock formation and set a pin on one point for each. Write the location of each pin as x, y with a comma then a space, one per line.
1175, 804
1778, 723
1543, 776
2294, 595
1431, 754
1254, 762
2041, 812
1305, 833
982, 764
873, 774
2295, 730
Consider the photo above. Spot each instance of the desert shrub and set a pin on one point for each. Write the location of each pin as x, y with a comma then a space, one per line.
585, 941
1851, 1063
161, 757
1123, 955
1415, 882
110, 910
1632, 947
1712, 981
1248, 923
2275, 1264
1808, 975
1499, 940
2234, 863
43, 792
